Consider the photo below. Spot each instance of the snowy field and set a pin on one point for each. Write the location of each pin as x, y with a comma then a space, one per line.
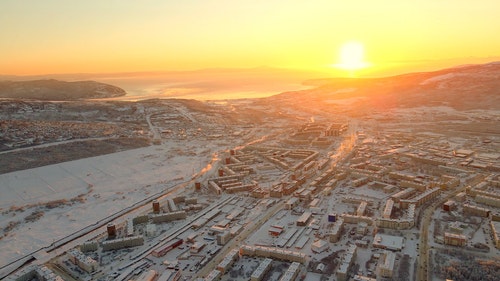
106, 184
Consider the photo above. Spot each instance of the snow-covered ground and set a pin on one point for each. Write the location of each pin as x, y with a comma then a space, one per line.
440, 78
107, 184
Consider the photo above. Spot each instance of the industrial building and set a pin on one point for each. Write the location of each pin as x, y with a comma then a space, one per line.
275, 231
291, 203
304, 218
162, 250
197, 247
205, 219
286, 238
148, 275
302, 242
170, 275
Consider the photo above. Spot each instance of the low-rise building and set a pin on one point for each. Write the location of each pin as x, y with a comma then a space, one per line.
386, 263
304, 218
82, 261
214, 275
449, 205
292, 272
405, 223
336, 232
127, 242
476, 210
346, 262
223, 238
148, 275
495, 230
197, 247
488, 200
361, 208
228, 261
455, 239
319, 246
271, 252
261, 270
166, 217
389, 204
389, 242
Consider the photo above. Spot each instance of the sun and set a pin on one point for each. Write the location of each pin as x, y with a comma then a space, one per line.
352, 56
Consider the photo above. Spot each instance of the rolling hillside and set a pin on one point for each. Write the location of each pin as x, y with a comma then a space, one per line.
462, 88
58, 90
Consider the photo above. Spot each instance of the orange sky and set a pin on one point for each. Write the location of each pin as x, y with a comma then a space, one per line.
93, 36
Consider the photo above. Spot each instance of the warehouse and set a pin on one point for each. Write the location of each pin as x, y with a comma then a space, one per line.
389, 242
302, 220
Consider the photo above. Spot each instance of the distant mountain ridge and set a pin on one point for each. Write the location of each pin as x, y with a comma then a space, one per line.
463, 88
205, 72
56, 90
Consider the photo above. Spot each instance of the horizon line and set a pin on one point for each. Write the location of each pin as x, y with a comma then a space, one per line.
324, 70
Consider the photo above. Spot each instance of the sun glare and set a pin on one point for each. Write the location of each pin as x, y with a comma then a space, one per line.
352, 56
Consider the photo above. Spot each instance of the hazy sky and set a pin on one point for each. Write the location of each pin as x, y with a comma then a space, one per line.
60, 36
